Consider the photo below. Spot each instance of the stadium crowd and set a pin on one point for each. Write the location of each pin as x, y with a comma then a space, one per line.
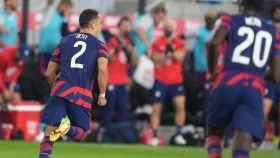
148, 74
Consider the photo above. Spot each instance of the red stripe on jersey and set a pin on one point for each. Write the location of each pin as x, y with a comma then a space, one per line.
57, 85
226, 21
76, 89
237, 78
277, 35
56, 55
240, 77
83, 103
218, 80
258, 86
277, 46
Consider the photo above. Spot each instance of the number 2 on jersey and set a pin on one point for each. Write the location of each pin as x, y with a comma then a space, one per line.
256, 39
74, 64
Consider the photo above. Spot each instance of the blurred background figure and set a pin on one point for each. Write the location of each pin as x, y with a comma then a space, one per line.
10, 71
122, 58
146, 24
202, 36
8, 24
168, 54
54, 27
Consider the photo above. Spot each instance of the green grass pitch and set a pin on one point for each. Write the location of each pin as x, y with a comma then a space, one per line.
14, 149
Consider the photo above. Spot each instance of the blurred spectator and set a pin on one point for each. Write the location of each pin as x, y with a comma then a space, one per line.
146, 24
54, 26
8, 23
10, 70
144, 74
168, 54
203, 34
122, 57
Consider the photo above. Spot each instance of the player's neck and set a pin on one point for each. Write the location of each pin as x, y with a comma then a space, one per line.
87, 31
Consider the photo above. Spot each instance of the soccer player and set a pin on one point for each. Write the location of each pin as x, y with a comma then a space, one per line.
237, 95
76, 63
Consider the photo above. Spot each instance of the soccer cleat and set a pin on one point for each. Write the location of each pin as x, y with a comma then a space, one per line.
154, 142
180, 140
61, 130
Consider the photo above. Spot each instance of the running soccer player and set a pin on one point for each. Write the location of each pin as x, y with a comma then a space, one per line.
237, 95
76, 63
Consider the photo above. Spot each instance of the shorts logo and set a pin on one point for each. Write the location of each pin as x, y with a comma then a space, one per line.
158, 94
111, 87
180, 88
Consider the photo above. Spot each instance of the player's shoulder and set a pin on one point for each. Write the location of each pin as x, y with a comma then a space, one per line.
67, 38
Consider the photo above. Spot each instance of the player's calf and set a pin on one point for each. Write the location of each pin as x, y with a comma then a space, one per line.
46, 145
77, 134
214, 144
180, 116
242, 142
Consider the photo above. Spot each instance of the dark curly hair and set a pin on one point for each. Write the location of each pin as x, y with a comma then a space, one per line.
255, 5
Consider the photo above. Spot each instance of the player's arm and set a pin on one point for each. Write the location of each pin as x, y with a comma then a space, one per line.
274, 74
53, 66
52, 70
102, 75
213, 52
142, 34
133, 55
156, 54
180, 51
179, 55
275, 67
220, 35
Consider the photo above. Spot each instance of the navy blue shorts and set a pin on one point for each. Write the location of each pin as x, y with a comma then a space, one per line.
57, 108
272, 91
165, 92
236, 106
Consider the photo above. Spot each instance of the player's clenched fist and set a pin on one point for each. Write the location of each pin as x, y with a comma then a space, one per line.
102, 101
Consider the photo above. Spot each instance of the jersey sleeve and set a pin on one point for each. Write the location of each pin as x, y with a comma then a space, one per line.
276, 50
57, 54
226, 22
103, 52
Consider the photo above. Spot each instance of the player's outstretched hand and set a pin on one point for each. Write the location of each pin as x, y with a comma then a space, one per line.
102, 101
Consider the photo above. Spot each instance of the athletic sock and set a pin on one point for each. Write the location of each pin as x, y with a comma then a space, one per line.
240, 153
46, 148
155, 132
76, 133
178, 130
214, 147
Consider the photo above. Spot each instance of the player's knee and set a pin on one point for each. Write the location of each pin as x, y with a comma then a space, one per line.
157, 109
242, 135
241, 139
180, 108
179, 103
